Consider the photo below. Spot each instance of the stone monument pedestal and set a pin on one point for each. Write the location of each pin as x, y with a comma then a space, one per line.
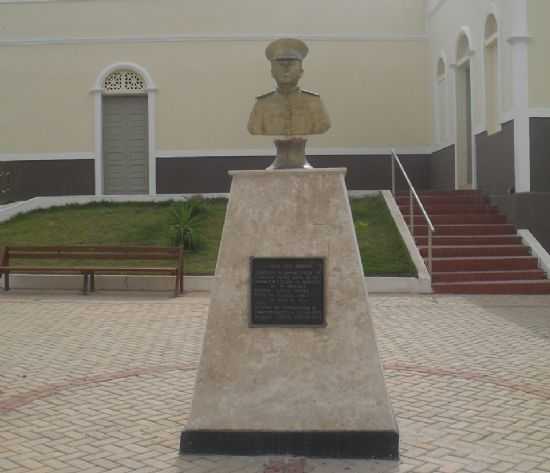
316, 390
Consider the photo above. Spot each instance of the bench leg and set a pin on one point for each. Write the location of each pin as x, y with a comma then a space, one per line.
6, 281
176, 287
181, 283
85, 285
92, 282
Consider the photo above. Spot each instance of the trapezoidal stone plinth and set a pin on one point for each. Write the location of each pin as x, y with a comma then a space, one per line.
311, 391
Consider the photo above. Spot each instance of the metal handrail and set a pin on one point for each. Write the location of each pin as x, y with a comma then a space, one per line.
412, 193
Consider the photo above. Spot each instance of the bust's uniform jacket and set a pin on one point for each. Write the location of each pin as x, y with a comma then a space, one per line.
299, 113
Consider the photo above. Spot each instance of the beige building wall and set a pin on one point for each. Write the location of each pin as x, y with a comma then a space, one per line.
369, 60
539, 53
446, 21
122, 18
46, 102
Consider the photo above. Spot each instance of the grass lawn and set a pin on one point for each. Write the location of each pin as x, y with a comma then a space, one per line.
382, 249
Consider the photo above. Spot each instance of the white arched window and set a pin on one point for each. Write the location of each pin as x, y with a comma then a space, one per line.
441, 87
491, 74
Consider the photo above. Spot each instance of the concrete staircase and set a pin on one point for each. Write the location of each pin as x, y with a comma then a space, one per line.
475, 250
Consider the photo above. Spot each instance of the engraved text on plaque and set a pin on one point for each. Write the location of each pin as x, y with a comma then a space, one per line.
287, 292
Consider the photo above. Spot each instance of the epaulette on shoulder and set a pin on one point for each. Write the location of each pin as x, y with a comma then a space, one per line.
309, 92
265, 95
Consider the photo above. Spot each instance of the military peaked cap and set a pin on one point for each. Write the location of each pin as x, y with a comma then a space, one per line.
286, 48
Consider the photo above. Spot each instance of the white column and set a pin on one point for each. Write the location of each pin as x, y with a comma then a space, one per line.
520, 60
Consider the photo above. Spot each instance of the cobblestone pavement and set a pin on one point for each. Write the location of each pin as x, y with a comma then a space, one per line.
104, 384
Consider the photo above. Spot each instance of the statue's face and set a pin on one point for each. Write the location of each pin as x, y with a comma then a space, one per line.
287, 72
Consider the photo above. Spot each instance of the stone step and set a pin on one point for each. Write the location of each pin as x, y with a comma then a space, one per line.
501, 263
493, 287
476, 240
450, 209
469, 251
457, 193
429, 201
465, 276
458, 219
467, 229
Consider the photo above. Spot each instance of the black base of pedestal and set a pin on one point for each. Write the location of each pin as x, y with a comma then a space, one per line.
382, 445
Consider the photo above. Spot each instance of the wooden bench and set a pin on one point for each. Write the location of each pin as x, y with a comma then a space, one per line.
92, 253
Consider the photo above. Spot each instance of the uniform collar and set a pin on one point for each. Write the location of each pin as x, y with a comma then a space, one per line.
294, 91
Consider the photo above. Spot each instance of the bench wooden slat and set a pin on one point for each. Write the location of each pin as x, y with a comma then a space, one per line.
86, 269
88, 255
131, 269
96, 248
35, 269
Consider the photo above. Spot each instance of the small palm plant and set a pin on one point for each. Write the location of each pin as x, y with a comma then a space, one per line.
185, 220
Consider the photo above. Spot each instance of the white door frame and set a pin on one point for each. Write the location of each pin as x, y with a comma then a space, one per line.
461, 63
467, 154
98, 91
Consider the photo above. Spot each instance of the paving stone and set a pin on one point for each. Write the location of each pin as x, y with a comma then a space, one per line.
104, 384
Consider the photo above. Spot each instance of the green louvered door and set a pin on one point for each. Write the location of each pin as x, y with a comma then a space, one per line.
125, 145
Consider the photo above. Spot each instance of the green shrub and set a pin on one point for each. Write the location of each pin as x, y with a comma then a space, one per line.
185, 223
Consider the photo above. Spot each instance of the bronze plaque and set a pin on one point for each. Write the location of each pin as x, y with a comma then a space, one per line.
287, 292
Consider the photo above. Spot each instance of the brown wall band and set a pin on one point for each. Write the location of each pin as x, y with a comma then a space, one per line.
528, 210
48, 178
210, 175
540, 154
443, 169
495, 161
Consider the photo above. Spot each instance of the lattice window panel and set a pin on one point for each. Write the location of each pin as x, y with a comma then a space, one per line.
124, 82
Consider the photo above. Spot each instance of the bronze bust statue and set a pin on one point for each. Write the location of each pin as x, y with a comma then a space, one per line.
288, 111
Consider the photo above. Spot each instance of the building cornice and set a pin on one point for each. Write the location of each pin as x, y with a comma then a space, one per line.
180, 38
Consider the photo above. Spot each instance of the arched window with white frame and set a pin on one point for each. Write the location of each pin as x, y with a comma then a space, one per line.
491, 74
442, 99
